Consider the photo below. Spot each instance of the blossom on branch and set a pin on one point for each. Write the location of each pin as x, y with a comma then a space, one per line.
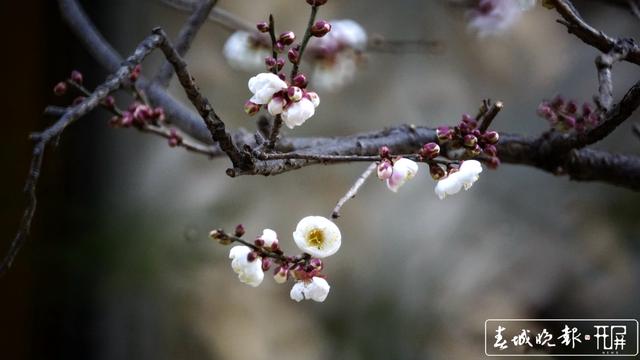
464, 177
315, 289
247, 265
317, 236
264, 86
403, 170
491, 17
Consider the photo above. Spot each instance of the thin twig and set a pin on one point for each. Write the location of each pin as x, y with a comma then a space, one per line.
353, 191
305, 40
489, 115
604, 63
185, 38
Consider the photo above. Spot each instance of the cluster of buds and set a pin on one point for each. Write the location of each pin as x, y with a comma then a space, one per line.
396, 171
566, 116
467, 136
316, 236
75, 82
138, 115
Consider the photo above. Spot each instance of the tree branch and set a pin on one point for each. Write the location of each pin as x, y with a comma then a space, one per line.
185, 38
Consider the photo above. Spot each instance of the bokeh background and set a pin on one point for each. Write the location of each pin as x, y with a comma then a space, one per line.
119, 265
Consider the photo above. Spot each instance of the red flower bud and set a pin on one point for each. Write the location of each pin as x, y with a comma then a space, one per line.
287, 38
60, 88
239, 231
384, 152
320, 28
263, 26
76, 76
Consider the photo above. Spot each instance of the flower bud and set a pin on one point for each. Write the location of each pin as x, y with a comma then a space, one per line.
293, 55
475, 151
252, 256
571, 107
557, 102
294, 93
493, 163
60, 88
270, 62
78, 100
109, 102
316, 263
266, 264
545, 111
569, 122
490, 150
239, 231
436, 171
76, 76
262, 26
259, 242
384, 152
279, 64
320, 28
220, 236
385, 169
430, 150
300, 81
174, 138
444, 134
586, 109
287, 38
158, 114
251, 108
491, 137
470, 141
280, 274
279, 46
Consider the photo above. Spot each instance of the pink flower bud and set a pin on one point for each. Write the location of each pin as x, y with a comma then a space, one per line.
279, 46
490, 150
384, 152
109, 102
300, 81
571, 107
385, 170
60, 88
492, 137
266, 264
252, 256
294, 93
135, 73
239, 231
279, 64
270, 62
262, 26
316, 263
475, 151
470, 141
320, 28
259, 242
280, 274
444, 134
430, 150
251, 108
76, 76
158, 114
294, 56
493, 163
287, 38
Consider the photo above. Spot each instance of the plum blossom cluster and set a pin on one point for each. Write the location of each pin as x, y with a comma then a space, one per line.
469, 140
452, 176
567, 116
138, 115
316, 236
492, 17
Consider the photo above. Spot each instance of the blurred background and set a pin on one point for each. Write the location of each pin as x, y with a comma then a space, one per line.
119, 265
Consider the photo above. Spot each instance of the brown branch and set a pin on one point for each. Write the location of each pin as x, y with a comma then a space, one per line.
604, 63
120, 78
215, 125
185, 38
353, 191
225, 19
591, 36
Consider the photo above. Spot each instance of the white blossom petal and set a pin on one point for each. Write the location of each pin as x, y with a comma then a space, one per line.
269, 237
263, 86
403, 170
276, 106
317, 236
242, 54
317, 289
298, 112
249, 272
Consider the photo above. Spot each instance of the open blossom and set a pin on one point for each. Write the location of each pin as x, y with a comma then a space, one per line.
403, 170
298, 112
249, 272
315, 289
468, 174
246, 51
491, 17
317, 236
337, 54
295, 108
264, 86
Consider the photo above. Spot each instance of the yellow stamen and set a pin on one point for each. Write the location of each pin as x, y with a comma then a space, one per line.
315, 238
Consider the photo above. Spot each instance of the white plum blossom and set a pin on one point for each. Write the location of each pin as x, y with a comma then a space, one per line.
491, 17
244, 51
468, 174
403, 169
264, 86
315, 289
269, 237
317, 236
298, 112
337, 54
276, 105
249, 272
